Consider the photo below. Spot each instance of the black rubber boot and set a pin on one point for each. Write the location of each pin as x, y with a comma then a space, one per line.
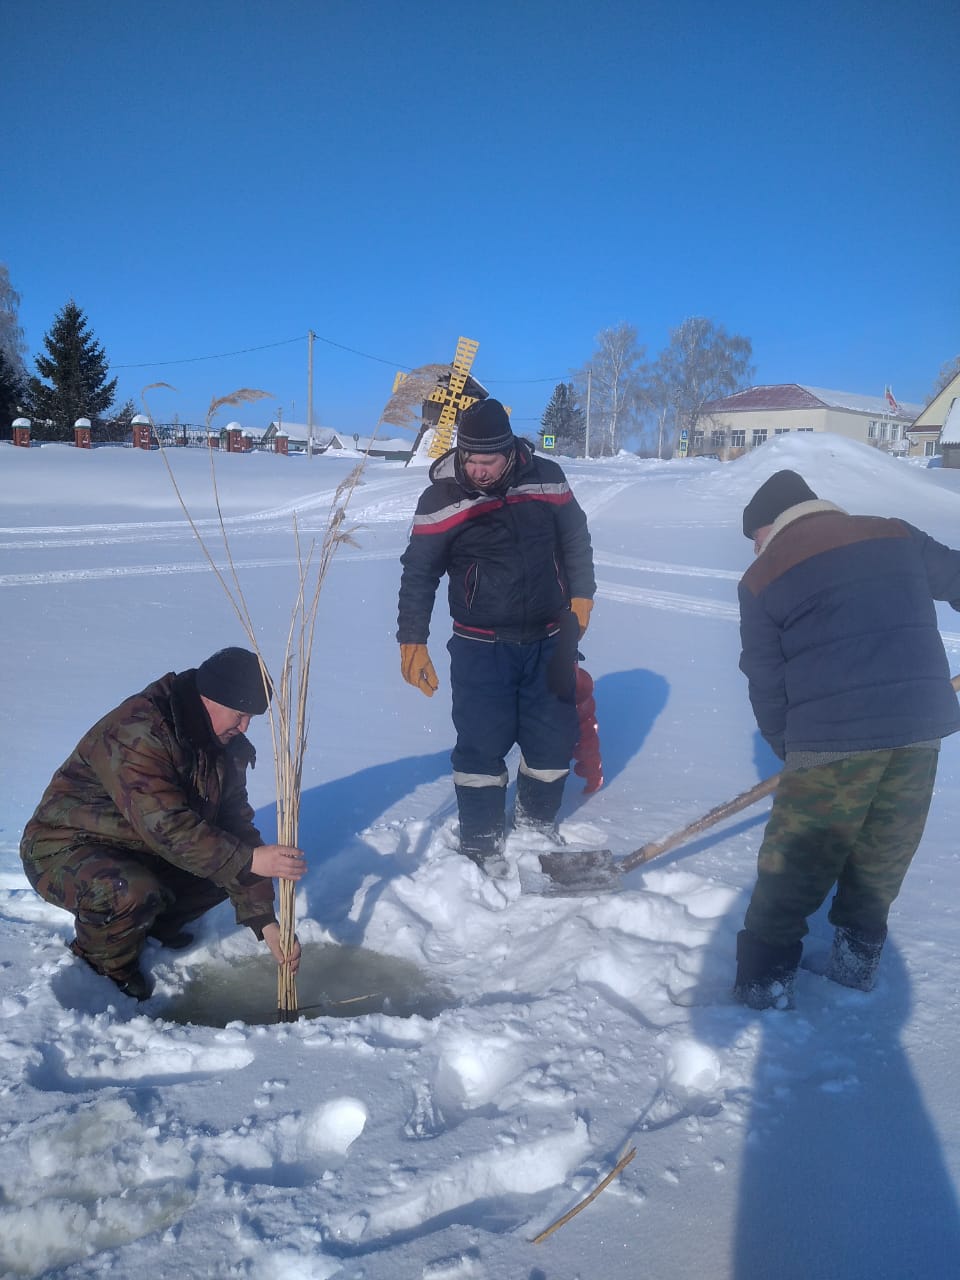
538, 803
765, 973
482, 823
855, 957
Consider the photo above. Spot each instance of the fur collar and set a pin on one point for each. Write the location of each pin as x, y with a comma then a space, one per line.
812, 508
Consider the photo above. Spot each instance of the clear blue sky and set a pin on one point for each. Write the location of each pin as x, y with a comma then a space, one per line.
210, 176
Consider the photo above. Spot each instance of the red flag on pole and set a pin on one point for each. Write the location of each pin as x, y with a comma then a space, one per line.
891, 399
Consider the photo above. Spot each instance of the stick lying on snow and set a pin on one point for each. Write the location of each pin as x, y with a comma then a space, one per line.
617, 1168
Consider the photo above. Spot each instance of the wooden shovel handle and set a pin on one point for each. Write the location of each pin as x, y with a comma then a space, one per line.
725, 810
743, 801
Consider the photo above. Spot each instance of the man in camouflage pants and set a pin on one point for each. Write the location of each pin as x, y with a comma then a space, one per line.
850, 686
147, 825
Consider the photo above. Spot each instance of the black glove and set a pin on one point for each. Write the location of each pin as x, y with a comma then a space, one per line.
561, 669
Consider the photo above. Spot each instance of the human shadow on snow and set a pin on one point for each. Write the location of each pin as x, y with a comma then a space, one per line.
628, 705
332, 818
842, 1168
842, 1171
334, 814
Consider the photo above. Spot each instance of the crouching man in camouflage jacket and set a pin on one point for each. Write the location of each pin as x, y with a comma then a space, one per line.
147, 825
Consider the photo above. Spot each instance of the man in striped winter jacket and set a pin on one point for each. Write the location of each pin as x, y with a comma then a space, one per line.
504, 526
850, 686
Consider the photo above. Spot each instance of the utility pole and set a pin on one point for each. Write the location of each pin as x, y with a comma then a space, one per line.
586, 434
310, 337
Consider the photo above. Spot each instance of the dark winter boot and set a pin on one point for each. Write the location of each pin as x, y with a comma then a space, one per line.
855, 957
172, 938
538, 803
131, 981
482, 824
765, 973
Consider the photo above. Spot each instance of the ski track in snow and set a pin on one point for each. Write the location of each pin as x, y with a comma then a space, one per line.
670, 601
361, 509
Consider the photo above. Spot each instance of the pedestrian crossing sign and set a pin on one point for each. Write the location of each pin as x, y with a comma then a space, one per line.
549, 442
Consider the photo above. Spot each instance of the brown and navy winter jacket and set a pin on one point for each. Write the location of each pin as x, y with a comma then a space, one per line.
514, 556
839, 633
151, 777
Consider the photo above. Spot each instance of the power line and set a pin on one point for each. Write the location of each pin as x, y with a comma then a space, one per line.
286, 342
222, 355
395, 364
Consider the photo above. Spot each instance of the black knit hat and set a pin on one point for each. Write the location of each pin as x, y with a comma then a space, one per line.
485, 428
233, 678
784, 489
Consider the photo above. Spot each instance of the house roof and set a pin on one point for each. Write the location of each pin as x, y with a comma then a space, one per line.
934, 414
951, 428
792, 395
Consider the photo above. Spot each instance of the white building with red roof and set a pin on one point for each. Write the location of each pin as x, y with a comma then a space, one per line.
750, 418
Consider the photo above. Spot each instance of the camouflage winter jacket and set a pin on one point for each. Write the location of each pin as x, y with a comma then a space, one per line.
151, 777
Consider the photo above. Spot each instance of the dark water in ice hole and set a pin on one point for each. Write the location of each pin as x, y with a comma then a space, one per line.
332, 982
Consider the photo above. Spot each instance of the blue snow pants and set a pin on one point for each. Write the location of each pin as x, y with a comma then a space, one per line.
501, 697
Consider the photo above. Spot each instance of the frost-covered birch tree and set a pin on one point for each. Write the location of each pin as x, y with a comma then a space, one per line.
617, 371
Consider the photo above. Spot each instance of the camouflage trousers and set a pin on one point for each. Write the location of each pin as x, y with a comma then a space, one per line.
854, 823
118, 897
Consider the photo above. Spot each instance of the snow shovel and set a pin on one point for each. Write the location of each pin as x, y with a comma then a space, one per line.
596, 870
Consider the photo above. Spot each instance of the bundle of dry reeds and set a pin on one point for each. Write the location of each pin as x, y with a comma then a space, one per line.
289, 709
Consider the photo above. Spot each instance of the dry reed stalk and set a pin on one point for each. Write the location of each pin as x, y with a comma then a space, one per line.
617, 1169
288, 710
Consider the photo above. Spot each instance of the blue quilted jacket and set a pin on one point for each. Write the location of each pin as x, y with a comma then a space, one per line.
839, 634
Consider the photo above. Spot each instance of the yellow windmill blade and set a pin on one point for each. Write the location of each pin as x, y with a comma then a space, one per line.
451, 397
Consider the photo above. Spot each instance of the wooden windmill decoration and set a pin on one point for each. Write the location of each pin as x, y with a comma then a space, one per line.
452, 397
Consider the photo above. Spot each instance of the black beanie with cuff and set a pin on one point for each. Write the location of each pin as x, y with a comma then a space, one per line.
485, 428
784, 489
233, 678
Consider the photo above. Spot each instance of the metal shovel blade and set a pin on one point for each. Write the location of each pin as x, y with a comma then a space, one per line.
597, 871
573, 871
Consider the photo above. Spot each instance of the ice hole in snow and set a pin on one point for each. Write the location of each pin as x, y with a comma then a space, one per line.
333, 982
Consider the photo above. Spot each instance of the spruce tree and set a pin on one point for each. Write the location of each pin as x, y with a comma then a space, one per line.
12, 391
564, 419
75, 370
116, 428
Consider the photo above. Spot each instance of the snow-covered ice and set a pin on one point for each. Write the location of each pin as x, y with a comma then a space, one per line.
819, 1143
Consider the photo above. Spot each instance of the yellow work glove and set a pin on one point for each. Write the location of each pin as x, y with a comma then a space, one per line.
417, 669
581, 606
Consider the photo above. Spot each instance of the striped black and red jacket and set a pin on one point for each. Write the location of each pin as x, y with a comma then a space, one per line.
513, 557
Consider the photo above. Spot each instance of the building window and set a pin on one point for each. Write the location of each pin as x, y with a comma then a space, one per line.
717, 439
759, 437
738, 439
805, 431
872, 430
894, 431
929, 448
698, 439
781, 431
